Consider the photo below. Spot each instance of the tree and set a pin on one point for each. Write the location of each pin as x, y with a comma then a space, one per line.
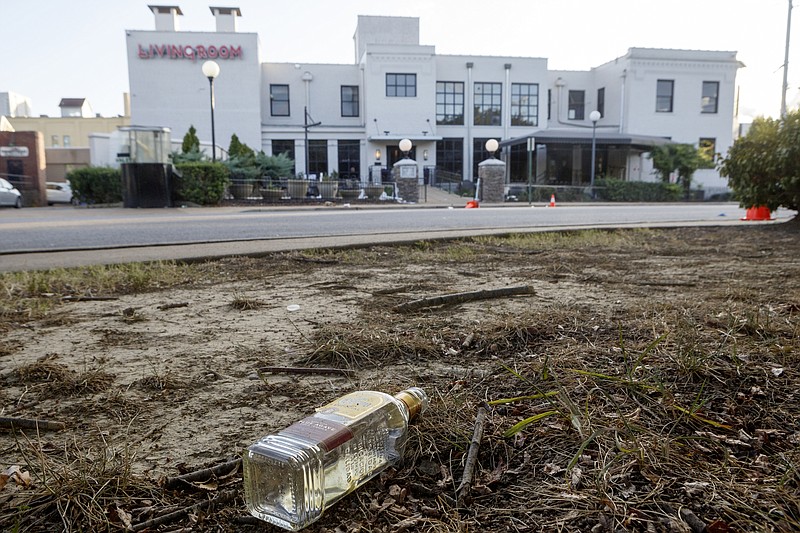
763, 167
191, 143
236, 148
684, 159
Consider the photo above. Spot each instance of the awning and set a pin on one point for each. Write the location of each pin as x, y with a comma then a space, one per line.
392, 137
602, 138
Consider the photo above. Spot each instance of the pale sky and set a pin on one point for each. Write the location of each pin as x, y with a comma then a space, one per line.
53, 49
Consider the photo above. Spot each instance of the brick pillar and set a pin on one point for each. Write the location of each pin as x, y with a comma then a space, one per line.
406, 174
492, 173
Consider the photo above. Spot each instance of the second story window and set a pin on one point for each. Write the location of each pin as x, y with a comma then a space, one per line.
664, 93
279, 100
524, 104
601, 101
401, 85
576, 105
450, 103
67, 141
349, 100
488, 104
709, 103
54, 141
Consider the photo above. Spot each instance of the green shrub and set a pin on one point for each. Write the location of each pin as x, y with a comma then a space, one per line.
615, 190
96, 185
201, 183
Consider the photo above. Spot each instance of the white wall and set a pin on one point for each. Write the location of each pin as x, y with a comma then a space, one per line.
174, 92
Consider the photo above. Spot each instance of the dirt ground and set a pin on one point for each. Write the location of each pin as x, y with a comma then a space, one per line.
656, 371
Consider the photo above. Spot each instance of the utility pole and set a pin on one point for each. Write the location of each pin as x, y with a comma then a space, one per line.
786, 62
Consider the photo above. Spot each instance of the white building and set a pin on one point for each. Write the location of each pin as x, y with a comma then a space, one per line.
15, 105
350, 117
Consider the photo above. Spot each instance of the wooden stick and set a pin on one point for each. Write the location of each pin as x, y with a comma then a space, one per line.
697, 525
461, 297
472, 457
167, 518
173, 306
204, 474
305, 370
30, 423
88, 298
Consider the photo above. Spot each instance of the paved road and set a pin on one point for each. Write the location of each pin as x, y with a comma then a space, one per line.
65, 236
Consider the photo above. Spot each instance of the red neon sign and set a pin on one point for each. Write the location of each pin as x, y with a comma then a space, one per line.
173, 51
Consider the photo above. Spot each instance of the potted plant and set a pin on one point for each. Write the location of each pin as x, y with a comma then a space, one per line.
329, 185
373, 191
349, 189
243, 176
271, 191
297, 187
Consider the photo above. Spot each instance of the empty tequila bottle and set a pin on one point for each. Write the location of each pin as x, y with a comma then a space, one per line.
291, 477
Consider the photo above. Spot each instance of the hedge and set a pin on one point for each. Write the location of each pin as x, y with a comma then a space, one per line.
614, 190
96, 185
201, 183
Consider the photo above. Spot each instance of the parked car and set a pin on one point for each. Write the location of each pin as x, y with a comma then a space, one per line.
9, 195
59, 193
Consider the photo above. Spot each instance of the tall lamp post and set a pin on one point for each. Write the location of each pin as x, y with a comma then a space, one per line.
211, 71
594, 116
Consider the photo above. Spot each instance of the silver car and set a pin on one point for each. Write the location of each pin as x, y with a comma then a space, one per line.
9, 195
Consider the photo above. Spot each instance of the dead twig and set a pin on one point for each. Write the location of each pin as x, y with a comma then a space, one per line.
697, 525
30, 423
203, 474
304, 370
180, 513
173, 306
462, 297
88, 298
472, 457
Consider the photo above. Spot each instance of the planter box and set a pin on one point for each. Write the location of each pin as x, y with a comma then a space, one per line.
328, 189
373, 192
241, 191
272, 195
297, 188
349, 194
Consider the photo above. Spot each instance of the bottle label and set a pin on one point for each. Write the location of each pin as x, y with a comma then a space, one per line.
325, 433
354, 405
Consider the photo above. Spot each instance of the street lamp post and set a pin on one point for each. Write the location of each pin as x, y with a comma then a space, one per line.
594, 116
211, 71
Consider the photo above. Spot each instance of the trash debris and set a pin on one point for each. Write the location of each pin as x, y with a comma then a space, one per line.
291, 476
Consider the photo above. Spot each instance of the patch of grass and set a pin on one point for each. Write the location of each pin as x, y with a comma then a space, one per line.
74, 489
30, 295
244, 303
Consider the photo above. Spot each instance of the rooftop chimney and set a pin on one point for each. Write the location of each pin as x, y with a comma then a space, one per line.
226, 18
166, 17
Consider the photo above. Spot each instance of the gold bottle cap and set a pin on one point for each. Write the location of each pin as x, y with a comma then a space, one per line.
415, 399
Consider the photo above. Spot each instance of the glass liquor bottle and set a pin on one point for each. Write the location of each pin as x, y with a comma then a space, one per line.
291, 477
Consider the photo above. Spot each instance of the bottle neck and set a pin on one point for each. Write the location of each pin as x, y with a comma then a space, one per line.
415, 400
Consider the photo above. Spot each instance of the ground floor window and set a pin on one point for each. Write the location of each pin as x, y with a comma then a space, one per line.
479, 154
284, 146
317, 157
350, 159
450, 155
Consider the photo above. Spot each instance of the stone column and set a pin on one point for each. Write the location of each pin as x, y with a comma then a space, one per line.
406, 174
492, 173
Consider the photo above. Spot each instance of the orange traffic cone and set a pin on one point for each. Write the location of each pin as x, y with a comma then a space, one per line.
552, 200
761, 212
472, 204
